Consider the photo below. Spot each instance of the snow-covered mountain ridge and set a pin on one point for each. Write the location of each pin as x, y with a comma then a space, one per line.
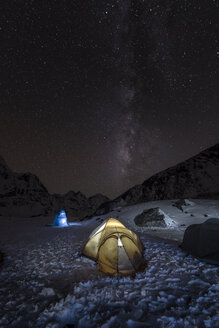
23, 195
197, 177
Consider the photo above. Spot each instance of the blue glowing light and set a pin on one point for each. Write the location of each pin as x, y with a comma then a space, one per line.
60, 219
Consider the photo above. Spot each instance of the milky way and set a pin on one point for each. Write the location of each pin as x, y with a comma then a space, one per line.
97, 96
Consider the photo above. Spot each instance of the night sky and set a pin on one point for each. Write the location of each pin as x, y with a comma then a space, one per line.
99, 95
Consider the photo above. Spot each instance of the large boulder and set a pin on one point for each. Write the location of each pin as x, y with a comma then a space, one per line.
152, 217
179, 203
202, 240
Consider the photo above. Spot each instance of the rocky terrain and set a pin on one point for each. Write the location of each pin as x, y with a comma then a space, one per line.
23, 195
197, 177
77, 204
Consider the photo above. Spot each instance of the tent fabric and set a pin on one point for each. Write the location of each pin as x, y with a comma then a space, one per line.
202, 240
60, 219
115, 248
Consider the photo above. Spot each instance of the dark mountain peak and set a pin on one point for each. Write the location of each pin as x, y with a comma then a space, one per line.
3, 166
23, 194
96, 196
2, 161
196, 177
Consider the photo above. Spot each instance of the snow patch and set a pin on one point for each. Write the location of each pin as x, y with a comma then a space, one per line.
47, 292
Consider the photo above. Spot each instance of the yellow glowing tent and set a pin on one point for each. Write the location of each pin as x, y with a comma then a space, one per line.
117, 249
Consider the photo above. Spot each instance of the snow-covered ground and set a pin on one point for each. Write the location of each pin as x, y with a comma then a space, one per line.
46, 282
196, 211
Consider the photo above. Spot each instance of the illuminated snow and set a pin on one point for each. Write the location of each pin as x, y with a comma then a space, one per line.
45, 282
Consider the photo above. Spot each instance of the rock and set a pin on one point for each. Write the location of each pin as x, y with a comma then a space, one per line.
202, 240
179, 203
151, 218
182, 202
